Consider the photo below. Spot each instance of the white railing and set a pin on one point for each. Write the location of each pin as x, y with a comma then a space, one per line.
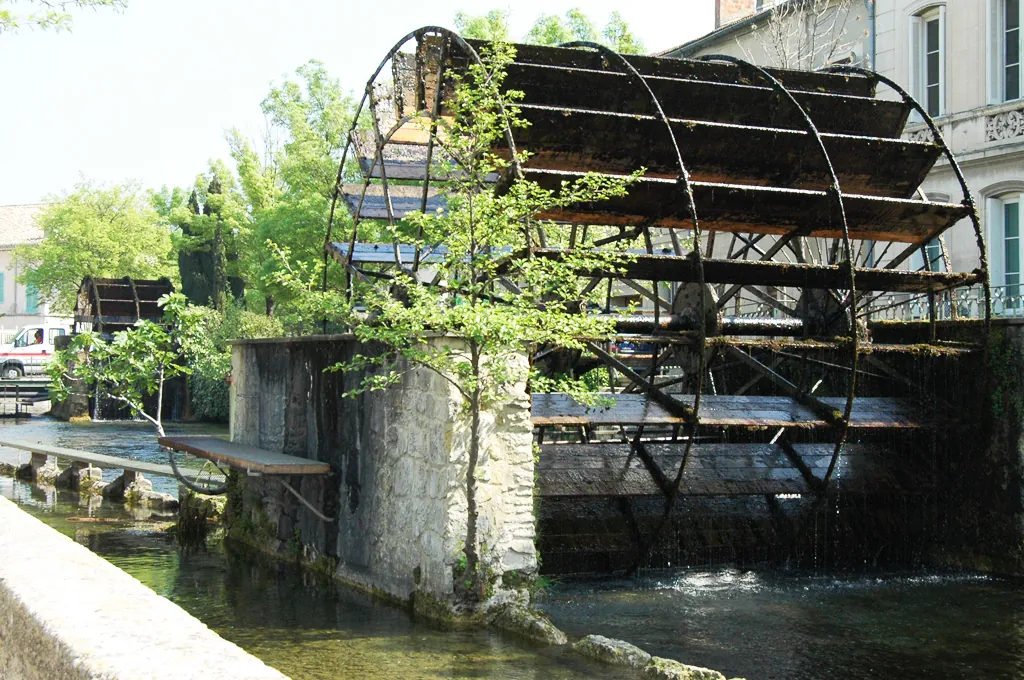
963, 303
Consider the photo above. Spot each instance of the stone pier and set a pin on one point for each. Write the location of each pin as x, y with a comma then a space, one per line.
399, 457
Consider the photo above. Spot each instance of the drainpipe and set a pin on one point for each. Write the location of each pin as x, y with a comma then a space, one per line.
869, 7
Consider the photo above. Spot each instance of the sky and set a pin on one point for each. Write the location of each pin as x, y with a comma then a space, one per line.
147, 94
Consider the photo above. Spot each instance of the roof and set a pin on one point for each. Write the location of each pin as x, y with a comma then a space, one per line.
18, 224
688, 48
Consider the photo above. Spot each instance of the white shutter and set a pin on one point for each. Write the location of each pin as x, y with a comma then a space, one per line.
942, 60
996, 249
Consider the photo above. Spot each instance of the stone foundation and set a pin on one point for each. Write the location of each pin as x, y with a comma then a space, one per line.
400, 458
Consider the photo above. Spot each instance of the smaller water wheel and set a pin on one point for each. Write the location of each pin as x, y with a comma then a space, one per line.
106, 306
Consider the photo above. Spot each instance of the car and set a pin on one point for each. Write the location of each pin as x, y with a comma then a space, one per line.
30, 351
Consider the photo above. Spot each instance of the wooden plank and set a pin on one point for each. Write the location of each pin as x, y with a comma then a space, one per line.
600, 141
720, 411
606, 469
755, 209
246, 458
689, 69
767, 273
97, 459
740, 103
404, 200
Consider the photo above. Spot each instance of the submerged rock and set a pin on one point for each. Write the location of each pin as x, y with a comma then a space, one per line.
611, 651
527, 623
666, 669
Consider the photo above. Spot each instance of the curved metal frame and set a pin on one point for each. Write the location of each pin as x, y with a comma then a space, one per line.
837, 196
684, 181
968, 199
383, 139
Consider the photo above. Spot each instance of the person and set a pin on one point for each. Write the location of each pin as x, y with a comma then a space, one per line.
37, 339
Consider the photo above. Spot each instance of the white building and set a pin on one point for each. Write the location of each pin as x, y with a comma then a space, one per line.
961, 59
19, 304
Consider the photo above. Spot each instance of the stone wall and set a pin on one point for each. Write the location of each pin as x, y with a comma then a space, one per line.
399, 457
67, 614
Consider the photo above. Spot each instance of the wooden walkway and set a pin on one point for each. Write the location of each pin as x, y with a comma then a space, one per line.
246, 458
98, 459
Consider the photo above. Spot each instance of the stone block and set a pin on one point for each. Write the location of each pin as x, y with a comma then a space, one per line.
667, 669
611, 651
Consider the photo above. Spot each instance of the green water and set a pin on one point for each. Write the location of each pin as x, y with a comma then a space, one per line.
298, 624
754, 624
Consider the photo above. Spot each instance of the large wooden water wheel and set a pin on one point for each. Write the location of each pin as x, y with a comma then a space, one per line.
777, 211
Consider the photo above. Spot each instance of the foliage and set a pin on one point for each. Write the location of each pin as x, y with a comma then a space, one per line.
492, 26
133, 366
204, 346
551, 29
467, 329
51, 13
94, 231
288, 191
212, 230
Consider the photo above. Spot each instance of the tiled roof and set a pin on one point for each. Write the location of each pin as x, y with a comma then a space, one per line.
17, 225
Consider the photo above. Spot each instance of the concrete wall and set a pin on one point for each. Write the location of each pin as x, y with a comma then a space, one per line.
400, 458
66, 614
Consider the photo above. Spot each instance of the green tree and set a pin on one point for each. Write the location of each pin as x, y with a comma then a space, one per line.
551, 29
50, 13
486, 336
212, 229
103, 232
492, 26
288, 192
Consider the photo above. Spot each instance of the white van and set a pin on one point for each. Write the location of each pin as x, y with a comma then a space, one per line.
30, 351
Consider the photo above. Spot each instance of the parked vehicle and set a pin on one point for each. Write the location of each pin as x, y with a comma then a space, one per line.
30, 351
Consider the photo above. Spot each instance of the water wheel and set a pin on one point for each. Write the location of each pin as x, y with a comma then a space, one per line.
777, 221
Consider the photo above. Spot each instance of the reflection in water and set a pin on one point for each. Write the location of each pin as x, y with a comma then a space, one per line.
799, 626
755, 624
294, 622
126, 439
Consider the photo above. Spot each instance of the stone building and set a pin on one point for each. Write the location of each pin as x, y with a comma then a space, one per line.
961, 60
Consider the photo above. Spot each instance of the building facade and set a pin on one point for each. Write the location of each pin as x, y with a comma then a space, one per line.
961, 60
20, 305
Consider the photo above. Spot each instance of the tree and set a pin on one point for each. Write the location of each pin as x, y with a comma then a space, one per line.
52, 13
805, 34
550, 29
133, 366
287, 193
212, 229
94, 231
492, 26
486, 335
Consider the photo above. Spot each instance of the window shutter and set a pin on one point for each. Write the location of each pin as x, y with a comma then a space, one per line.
997, 253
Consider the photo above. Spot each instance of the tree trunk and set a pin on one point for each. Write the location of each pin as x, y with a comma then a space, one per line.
473, 575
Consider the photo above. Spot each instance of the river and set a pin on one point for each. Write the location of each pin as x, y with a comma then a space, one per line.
753, 623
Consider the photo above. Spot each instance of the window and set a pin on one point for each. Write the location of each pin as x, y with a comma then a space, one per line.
927, 59
1, 287
54, 332
1010, 67
934, 250
1004, 217
31, 300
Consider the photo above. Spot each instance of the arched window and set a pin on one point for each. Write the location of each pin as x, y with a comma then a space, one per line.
1006, 242
928, 59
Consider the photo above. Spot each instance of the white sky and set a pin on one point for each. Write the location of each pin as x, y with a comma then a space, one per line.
147, 94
